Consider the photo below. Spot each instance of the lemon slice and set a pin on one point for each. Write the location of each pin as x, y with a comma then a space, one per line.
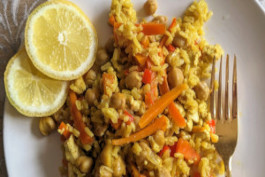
60, 40
32, 93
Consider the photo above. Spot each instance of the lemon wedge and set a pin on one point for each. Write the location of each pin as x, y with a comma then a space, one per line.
32, 93
60, 40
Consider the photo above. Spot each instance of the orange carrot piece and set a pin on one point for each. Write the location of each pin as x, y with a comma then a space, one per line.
164, 88
149, 63
145, 42
162, 42
158, 124
176, 116
63, 127
141, 59
153, 28
159, 106
184, 147
116, 125
173, 24
148, 99
174, 113
112, 20
78, 120
171, 48
108, 80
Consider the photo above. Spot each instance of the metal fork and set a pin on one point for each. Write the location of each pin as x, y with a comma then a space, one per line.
226, 120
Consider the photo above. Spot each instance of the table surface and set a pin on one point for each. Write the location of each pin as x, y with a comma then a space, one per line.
12, 23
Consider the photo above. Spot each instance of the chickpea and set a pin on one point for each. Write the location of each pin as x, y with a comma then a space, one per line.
160, 19
133, 80
150, 6
102, 57
118, 101
118, 167
109, 46
159, 138
84, 163
90, 77
175, 77
46, 125
179, 41
104, 171
202, 91
162, 172
100, 129
91, 96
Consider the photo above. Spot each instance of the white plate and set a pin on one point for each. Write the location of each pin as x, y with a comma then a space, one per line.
238, 25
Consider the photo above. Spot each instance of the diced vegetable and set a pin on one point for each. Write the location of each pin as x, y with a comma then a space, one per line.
173, 24
112, 20
116, 125
158, 124
159, 106
78, 120
151, 96
153, 28
165, 148
196, 174
164, 87
108, 80
171, 48
147, 77
148, 99
145, 42
131, 118
148, 63
154, 90
212, 125
183, 146
63, 127
177, 118
141, 59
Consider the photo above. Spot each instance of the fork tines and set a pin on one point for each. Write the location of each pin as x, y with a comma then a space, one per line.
220, 108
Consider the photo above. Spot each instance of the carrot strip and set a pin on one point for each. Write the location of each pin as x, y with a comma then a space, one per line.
158, 124
164, 88
159, 106
78, 120
63, 127
162, 42
153, 28
173, 24
174, 113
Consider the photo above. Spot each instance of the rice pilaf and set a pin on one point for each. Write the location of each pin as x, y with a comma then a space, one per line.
106, 124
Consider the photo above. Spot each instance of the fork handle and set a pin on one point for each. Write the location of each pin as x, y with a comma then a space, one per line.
228, 167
